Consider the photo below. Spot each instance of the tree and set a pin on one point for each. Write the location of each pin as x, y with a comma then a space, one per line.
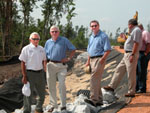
53, 10
26, 8
117, 32
81, 41
6, 14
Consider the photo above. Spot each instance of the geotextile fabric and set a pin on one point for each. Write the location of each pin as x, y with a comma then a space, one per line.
11, 96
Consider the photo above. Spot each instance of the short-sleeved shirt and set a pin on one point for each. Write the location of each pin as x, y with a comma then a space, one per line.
56, 50
33, 57
135, 36
98, 44
145, 39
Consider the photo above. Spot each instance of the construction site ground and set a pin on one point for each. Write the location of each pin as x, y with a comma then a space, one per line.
141, 102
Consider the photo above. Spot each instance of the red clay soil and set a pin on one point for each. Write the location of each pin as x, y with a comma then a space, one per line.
141, 102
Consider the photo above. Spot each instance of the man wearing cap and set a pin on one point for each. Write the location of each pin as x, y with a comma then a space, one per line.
33, 61
98, 50
56, 48
129, 62
143, 61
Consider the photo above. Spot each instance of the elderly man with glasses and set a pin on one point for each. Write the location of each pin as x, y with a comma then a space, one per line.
98, 50
33, 61
56, 48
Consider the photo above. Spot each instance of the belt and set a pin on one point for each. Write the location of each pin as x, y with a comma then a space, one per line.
36, 71
128, 51
142, 51
96, 56
55, 61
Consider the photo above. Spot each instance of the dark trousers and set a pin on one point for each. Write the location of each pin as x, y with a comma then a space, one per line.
37, 83
141, 72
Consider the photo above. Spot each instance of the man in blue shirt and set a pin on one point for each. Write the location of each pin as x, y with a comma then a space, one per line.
98, 50
56, 48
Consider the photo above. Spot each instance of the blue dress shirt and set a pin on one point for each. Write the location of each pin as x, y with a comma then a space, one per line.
56, 50
98, 44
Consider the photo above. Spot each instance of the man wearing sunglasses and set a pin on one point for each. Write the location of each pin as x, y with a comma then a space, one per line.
129, 61
98, 49
56, 48
33, 61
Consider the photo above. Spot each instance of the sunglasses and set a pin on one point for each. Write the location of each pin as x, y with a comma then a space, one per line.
54, 31
35, 38
94, 26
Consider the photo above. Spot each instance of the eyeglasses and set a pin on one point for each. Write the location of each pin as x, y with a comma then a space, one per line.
35, 38
94, 26
54, 31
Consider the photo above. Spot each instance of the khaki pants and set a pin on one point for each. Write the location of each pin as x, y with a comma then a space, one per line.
123, 67
95, 80
56, 71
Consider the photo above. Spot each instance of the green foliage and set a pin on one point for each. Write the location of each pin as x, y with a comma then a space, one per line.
81, 41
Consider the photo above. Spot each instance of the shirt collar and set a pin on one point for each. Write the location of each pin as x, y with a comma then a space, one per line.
96, 34
32, 46
56, 40
133, 28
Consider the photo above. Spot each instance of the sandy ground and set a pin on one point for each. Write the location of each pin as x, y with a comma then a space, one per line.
141, 102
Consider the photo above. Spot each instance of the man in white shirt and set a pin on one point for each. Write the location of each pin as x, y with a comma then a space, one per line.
33, 61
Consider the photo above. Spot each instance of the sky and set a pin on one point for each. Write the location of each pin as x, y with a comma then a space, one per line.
111, 14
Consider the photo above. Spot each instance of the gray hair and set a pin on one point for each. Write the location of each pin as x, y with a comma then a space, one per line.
54, 26
34, 33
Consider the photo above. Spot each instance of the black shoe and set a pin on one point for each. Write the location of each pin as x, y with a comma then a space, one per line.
140, 91
89, 102
63, 108
99, 104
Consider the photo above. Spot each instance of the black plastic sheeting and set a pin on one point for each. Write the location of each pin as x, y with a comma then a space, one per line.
11, 97
12, 60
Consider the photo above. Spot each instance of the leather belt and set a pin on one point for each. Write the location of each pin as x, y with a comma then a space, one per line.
128, 51
54, 61
36, 71
96, 56
141, 51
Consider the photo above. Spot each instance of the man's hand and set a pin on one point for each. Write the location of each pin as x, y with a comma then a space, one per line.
24, 80
102, 60
65, 60
131, 58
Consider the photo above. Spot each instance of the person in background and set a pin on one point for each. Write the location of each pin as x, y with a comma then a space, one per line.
142, 65
56, 48
98, 49
33, 61
129, 62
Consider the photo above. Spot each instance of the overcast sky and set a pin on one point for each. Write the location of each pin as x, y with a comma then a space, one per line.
111, 14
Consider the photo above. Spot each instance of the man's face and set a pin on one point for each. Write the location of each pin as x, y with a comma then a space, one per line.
54, 33
35, 40
130, 26
94, 27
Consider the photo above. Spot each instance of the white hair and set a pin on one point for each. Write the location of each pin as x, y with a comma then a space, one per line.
54, 26
34, 33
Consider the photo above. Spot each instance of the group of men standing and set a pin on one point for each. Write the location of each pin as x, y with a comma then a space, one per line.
52, 59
